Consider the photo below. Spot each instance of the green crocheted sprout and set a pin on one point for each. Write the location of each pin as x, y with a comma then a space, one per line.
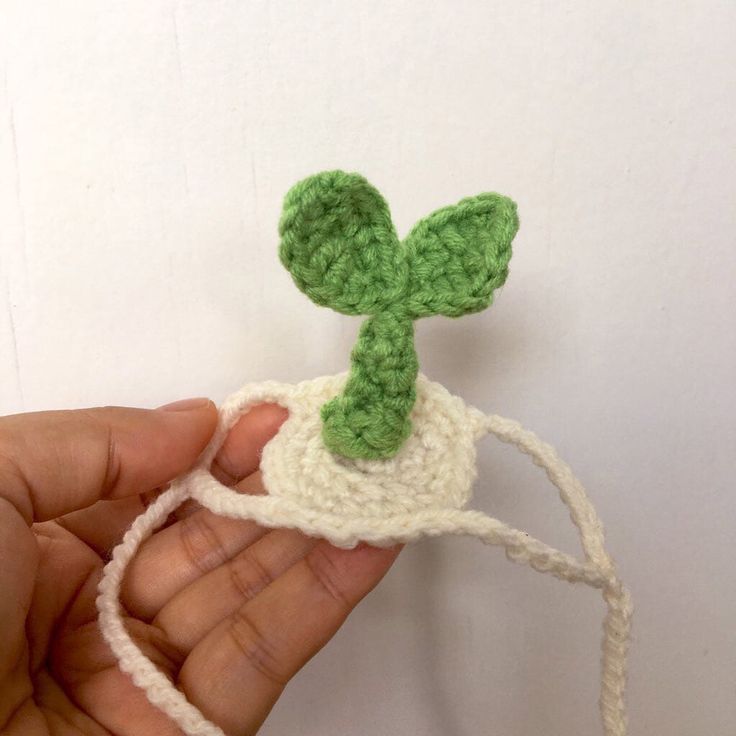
340, 245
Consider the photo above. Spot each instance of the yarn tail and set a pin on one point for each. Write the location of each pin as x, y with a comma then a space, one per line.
370, 419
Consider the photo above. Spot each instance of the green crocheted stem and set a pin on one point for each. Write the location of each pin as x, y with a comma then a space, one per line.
370, 419
341, 248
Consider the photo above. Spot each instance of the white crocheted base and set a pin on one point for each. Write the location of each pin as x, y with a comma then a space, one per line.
419, 492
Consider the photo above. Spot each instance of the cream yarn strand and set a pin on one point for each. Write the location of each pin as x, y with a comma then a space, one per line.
159, 689
597, 571
617, 623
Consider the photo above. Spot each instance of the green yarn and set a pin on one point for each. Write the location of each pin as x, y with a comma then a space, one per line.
339, 243
340, 246
370, 419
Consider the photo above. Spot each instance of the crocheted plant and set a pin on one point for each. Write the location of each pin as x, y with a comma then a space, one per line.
325, 471
341, 248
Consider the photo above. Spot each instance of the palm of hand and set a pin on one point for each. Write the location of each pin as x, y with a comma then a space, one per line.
228, 610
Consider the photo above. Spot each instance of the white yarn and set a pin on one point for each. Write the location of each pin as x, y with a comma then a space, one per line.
419, 492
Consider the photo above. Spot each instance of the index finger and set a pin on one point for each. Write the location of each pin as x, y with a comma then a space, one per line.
52, 463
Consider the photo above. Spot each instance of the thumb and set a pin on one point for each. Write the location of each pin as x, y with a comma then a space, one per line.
55, 462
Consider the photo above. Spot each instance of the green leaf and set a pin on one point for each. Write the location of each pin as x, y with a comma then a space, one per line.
339, 243
459, 255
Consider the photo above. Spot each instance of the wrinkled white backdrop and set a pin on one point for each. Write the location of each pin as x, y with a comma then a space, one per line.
144, 150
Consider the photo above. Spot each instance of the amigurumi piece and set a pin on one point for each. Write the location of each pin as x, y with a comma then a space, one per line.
382, 455
339, 243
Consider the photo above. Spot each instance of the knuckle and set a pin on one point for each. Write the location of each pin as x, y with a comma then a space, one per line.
326, 575
259, 651
249, 575
113, 466
110, 463
202, 547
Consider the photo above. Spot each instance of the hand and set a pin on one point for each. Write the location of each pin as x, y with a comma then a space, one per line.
229, 610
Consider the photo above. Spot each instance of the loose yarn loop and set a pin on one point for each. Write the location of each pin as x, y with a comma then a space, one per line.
294, 464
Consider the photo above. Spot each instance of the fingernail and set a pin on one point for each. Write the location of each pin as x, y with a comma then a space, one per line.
185, 405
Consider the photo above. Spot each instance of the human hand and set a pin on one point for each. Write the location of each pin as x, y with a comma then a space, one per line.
228, 610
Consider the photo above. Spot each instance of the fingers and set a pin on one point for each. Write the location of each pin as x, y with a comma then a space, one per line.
180, 554
240, 454
52, 463
102, 525
201, 541
236, 673
191, 614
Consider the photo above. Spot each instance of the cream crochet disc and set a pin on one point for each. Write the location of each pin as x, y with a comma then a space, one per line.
422, 491
348, 501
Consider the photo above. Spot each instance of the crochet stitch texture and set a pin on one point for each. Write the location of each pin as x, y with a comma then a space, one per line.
415, 465
340, 246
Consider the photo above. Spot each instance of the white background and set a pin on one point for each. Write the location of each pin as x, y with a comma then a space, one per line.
144, 151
